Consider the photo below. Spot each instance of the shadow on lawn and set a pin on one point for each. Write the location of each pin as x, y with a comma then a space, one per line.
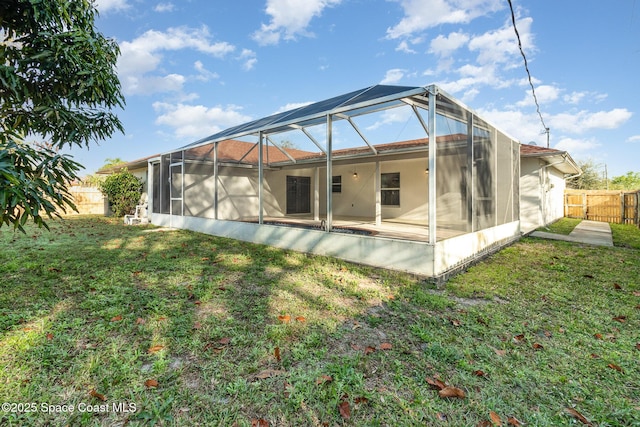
93, 305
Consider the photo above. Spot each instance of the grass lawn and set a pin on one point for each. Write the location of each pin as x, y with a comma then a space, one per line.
562, 226
140, 326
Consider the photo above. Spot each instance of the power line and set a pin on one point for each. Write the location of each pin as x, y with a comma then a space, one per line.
526, 67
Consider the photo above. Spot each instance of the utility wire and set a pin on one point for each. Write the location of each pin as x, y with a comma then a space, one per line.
526, 67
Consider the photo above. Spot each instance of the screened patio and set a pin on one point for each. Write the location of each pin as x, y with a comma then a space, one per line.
355, 176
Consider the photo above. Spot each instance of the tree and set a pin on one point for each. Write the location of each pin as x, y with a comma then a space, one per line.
58, 83
590, 178
123, 190
629, 181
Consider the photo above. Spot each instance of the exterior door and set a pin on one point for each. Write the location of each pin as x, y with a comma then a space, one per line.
298, 194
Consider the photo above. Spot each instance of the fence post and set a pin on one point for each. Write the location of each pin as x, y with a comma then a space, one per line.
584, 205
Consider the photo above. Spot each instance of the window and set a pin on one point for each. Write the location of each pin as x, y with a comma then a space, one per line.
336, 184
390, 189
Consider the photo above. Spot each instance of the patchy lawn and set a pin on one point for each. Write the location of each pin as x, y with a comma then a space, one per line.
562, 226
145, 326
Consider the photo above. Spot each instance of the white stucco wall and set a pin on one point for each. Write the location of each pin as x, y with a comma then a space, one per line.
541, 194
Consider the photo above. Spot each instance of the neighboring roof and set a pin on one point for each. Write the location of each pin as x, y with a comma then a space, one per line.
559, 159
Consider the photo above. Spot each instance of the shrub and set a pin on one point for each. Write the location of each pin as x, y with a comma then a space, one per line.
123, 190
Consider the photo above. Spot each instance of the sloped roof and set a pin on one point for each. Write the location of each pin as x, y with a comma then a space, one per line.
352, 104
559, 159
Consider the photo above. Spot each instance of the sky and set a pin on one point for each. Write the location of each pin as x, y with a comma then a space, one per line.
191, 68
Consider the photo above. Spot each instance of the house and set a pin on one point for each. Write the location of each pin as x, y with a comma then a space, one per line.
438, 192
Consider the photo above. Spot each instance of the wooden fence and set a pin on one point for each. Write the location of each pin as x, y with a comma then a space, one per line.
88, 200
620, 207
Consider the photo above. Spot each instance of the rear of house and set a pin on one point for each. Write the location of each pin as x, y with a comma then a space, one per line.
326, 179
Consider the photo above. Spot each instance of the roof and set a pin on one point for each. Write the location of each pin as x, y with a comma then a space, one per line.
559, 159
351, 104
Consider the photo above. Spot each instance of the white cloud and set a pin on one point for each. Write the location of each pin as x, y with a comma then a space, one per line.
292, 106
577, 97
197, 121
403, 46
583, 121
394, 115
143, 55
577, 147
289, 18
249, 59
204, 75
420, 15
446, 45
501, 47
105, 6
635, 138
524, 127
164, 7
544, 94
393, 76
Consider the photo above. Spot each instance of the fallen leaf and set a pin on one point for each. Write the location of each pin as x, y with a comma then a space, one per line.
451, 391
495, 418
268, 373
116, 318
361, 400
301, 319
49, 336
483, 423
369, 350
323, 379
548, 334
538, 346
615, 367
518, 338
513, 421
356, 347
577, 415
385, 346
479, 373
140, 321
155, 349
482, 321
276, 353
638, 346
259, 422
345, 410
206, 258
620, 319
436, 383
198, 302
441, 417
456, 323
391, 297
636, 293
284, 318
151, 383
161, 318
197, 325
588, 276
55, 270
597, 336
617, 287
594, 356
501, 352
97, 395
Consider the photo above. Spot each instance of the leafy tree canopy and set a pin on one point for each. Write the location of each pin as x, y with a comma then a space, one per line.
591, 178
629, 181
58, 83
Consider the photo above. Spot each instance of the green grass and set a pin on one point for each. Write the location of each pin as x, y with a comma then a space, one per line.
94, 305
562, 226
626, 235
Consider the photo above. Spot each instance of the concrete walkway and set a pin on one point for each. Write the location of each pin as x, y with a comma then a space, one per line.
589, 232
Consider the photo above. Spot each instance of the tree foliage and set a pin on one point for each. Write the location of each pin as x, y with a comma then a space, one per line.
590, 179
123, 190
58, 83
629, 181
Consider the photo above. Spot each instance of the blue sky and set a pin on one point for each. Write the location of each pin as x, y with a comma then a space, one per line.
193, 67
